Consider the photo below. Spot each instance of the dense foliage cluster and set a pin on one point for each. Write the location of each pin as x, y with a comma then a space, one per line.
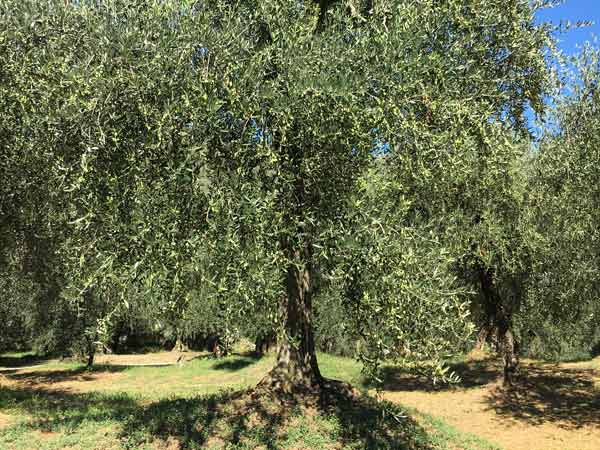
191, 172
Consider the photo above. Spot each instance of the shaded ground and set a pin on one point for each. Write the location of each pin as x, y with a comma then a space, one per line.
20, 361
552, 406
157, 359
150, 380
349, 421
59, 405
73, 408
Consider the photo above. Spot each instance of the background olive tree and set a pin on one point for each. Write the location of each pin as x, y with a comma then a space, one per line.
565, 292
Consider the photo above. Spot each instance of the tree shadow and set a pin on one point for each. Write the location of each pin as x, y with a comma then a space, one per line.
472, 374
55, 409
567, 396
236, 362
39, 377
227, 417
261, 421
25, 360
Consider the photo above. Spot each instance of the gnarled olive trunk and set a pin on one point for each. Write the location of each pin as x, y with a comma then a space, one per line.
296, 366
89, 352
482, 336
90, 359
498, 320
509, 350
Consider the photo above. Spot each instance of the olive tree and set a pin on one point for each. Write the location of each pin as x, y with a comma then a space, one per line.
256, 123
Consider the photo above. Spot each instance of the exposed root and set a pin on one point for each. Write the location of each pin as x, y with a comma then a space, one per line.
317, 392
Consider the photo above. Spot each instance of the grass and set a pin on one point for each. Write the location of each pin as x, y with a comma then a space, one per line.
442, 435
62, 406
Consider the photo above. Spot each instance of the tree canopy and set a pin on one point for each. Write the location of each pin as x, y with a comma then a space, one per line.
240, 163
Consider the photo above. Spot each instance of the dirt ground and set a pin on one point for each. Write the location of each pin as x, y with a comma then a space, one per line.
147, 359
4, 421
551, 406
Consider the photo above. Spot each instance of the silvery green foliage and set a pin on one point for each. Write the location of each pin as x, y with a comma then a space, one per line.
565, 198
178, 134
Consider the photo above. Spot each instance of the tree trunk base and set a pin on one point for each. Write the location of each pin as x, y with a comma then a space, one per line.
314, 390
510, 357
281, 382
265, 344
179, 347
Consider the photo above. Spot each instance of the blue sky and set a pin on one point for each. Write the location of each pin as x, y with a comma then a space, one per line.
574, 10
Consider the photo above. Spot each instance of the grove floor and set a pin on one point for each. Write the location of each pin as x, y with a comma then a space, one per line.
56, 405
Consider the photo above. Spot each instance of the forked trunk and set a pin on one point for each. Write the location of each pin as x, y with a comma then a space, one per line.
296, 368
500, 320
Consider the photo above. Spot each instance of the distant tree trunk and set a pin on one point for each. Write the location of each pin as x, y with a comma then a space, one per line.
217, 349
500, 320
490, 307
90, 359
179, 345
482, 336
90, 351
296, 367
264, 343
509, 349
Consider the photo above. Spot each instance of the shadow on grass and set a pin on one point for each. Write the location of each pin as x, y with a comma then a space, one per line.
238, 420
25, 360
566, 396
38, 377
262, 422
236, 362
56, 410
472, 374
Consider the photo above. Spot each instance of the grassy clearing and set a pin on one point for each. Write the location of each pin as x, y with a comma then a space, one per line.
61, 405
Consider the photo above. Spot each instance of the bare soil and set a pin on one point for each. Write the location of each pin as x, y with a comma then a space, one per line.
148, 359
4, 421
550, 407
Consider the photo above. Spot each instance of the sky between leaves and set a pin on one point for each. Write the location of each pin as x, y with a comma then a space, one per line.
574, 11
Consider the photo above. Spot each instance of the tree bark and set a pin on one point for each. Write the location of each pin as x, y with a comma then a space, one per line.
296, 367
500, 321
509, 354
264, 343
90, 360
179, 345
482, 336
